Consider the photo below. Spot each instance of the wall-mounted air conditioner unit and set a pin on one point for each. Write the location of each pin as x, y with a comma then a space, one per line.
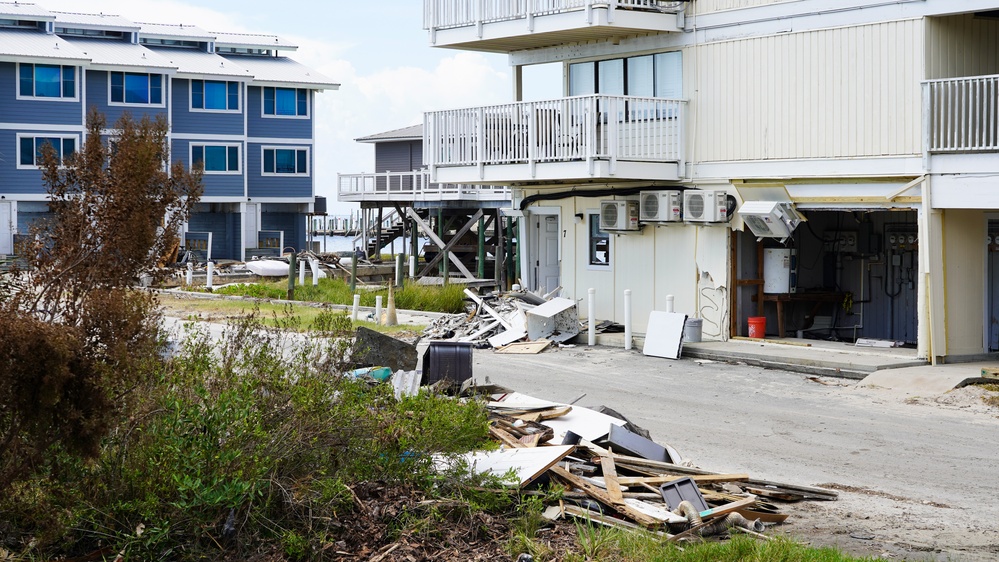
770, 219
619, 215
705, 206
661, 206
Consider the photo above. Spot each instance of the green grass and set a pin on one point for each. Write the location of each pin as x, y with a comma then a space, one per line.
447, 298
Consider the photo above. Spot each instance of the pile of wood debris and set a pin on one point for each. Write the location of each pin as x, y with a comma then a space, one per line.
615, 476
507, 321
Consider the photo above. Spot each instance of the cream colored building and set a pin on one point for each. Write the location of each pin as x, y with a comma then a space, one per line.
876, 121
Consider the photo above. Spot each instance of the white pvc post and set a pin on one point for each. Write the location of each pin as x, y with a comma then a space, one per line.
357, 304
591, 320
627, 318
314, 264
378, 309
412, 267
190, 273
301, 272
211, 276
669, 303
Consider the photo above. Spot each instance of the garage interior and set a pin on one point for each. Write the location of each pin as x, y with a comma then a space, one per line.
843, 275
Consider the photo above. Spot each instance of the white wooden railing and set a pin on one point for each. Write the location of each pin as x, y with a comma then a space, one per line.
595, 127
413, 186
443, 14
962, 114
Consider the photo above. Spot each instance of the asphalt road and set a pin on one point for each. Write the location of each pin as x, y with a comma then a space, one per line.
916, 473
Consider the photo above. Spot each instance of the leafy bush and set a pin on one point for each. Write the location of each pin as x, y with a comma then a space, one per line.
253, 439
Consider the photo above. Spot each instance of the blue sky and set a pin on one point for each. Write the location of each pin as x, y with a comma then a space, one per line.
376, 49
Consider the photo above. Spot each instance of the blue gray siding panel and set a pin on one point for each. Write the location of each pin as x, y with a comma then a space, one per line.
276, 186
200, 122
292, 224
21, 182
276, 127
216, 185
42, 112
97, 96
226, 232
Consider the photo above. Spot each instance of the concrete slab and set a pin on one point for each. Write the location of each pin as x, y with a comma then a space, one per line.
927, 380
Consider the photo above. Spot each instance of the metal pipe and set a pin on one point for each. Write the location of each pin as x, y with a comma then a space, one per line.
627, 319
591, 317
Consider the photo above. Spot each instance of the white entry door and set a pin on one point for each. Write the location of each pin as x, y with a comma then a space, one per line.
545, 257
250, 226
6, 228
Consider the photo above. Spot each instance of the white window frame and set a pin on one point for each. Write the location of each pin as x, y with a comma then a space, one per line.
308, 160
62, 136
308, 103
190, 96
163, 90
239, 146
592, 215
76, 84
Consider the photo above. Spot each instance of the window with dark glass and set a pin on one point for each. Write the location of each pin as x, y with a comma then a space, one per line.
293, 102
216, 158
658, 75
31, 149
46, 81
286, 161
599, 242
215, 95
136, 88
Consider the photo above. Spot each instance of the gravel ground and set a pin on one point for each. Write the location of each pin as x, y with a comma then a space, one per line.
915, 473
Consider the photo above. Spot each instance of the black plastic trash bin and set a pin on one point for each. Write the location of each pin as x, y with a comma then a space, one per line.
445, 360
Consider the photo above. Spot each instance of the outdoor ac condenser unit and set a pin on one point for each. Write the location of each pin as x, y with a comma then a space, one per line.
662, 206
770, 219
619, 215
705, 206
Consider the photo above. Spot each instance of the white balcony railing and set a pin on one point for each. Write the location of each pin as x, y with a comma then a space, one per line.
412, 186
582, 128
962, 114
444, 14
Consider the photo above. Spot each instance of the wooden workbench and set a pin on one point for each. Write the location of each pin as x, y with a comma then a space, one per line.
817, 298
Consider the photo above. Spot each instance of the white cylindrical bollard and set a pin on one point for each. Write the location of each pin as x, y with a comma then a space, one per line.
378, 309
314, 264
412, 267
211, 276
357, 304
627, 318
591, 320
669, 303
190, 273
302, 265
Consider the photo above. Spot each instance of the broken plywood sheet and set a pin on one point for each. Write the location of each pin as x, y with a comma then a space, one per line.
507, 337
526, 463
664, 336
525, 348
588, 424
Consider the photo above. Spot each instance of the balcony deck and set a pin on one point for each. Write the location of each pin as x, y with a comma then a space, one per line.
412, 187
505, 26
577, 139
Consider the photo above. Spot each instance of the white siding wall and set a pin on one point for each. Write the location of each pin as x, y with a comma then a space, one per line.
835, 93
708, 6
961, 46
686, 261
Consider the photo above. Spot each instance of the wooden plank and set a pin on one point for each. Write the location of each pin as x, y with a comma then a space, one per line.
610, 479
525, 348
810, 492
728, 508
990, 372
508, 439
544, 414
602, 497
429, 232
699, 478
605, 520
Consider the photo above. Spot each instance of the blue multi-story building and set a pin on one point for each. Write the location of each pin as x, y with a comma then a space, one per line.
233, 102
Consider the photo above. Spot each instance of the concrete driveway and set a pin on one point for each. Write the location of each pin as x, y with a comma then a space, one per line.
915, 471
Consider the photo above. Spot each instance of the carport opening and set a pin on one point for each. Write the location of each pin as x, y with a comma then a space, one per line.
843, 275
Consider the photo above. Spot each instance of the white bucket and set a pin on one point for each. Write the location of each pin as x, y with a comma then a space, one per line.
692, 330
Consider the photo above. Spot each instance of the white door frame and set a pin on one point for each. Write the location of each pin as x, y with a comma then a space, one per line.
7, 230
531, 256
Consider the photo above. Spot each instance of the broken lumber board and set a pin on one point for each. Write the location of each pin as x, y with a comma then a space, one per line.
728, 508
489, 310
524, 348
505, 436
699, 478
810, 493
990, 372
764, 516
606, 520
610, 479
602, 497
542, 415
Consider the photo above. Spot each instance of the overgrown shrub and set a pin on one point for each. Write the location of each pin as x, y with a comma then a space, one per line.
256, 439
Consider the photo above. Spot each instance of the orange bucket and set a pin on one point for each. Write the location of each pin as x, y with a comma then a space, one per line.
758, 327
